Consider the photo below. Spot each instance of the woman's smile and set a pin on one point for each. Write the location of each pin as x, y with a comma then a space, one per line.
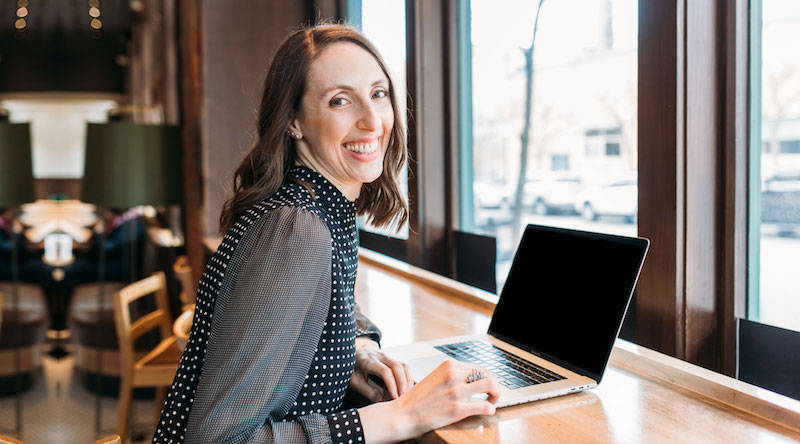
363, 150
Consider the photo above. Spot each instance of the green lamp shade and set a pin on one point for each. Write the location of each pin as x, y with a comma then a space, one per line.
16, 167
129, 164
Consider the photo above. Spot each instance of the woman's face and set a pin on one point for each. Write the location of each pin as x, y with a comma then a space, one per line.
345, 118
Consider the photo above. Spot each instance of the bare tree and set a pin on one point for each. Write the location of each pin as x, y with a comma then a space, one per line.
526, 130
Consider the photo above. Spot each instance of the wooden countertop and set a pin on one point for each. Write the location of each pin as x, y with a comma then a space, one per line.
645, 396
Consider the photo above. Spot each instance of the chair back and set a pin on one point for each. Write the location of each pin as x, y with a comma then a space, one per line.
9, 440
127, 331
183, 273
113, 439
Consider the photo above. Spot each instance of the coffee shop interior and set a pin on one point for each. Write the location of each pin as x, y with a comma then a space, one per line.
122, 122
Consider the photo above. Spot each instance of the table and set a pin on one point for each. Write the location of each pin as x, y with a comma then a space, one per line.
645, 396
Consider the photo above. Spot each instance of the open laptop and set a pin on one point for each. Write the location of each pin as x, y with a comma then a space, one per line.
559, 313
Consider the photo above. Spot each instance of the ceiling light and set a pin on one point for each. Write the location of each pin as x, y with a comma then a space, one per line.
22, 11
96, 24
20, 23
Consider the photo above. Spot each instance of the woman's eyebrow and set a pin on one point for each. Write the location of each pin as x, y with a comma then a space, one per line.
349, 88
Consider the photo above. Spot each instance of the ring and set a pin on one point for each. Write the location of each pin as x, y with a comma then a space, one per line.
475, 375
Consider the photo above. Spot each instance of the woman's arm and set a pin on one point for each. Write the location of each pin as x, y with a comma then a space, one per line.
268, 319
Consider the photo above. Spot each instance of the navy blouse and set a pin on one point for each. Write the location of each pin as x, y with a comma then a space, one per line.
276, 362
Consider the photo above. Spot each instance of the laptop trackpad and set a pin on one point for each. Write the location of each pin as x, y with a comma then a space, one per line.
422, 367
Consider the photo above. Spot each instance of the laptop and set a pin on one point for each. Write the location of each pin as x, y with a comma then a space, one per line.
558, 315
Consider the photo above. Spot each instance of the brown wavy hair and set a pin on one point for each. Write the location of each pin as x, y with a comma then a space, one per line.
264, 168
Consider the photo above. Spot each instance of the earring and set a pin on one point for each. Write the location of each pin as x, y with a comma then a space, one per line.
294, 134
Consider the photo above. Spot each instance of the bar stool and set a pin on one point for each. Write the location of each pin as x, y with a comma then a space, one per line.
183, 273
158, 367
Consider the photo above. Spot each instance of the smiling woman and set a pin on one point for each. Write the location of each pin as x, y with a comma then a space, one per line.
287, 341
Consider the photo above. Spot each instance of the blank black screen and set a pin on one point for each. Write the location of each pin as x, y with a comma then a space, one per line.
566, 295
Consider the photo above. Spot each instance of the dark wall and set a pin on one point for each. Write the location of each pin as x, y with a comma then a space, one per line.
239, 38
59, 51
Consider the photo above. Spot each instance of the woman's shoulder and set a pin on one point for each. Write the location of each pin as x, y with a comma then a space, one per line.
287, 220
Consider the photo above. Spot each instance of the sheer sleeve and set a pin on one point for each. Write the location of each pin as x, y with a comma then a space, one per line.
267, 322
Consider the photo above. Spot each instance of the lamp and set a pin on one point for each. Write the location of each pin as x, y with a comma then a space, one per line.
129, 164
126, 165
16, 188
16, 170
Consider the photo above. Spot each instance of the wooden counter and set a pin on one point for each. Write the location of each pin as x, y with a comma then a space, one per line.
645, 396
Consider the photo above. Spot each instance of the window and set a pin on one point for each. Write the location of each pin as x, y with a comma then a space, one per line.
790, 146
560, 162
581, 137
775, 172
384, 24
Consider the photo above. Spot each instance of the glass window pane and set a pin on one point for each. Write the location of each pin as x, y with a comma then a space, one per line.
579, 155
384, 24
775, 298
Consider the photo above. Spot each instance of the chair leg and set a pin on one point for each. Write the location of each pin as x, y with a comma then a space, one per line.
123, 416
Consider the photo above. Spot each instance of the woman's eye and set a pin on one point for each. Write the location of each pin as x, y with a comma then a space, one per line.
338, 101
380, 94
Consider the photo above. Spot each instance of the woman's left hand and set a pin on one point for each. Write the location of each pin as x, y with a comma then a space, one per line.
370, 360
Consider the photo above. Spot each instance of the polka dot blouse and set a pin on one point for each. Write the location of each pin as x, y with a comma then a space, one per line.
272, 346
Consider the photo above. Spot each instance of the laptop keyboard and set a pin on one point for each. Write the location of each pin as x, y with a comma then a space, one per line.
510, 370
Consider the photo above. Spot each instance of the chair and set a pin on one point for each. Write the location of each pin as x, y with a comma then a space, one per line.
9, 440
183, 273
158, 367
113, 439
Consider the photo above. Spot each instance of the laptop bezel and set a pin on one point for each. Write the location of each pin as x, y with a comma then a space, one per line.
641, 242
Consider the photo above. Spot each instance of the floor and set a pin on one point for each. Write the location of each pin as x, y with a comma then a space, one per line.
58, 409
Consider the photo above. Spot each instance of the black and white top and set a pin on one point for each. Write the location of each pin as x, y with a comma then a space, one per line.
276, 361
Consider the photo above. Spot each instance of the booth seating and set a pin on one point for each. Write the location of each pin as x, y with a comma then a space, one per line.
92, 330
24, 331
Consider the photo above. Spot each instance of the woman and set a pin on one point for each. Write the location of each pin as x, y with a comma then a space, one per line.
287, 340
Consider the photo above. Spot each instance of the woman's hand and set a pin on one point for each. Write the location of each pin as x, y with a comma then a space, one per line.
442, 398
370, 360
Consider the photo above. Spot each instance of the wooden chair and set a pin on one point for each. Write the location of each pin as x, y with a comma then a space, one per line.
183, 273
113, 439
9, 440
157, 368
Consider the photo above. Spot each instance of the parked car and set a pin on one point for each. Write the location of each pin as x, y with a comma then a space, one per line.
493, 201
494, 195
780, 202
554, 196
618, 198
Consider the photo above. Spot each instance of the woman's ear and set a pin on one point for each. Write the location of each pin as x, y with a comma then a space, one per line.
294, 128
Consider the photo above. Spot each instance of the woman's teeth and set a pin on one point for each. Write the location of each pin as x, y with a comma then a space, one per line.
362, 148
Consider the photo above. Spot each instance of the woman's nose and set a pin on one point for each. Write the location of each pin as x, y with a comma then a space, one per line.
369, 119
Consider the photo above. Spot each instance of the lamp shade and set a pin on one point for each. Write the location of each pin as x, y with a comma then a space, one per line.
16, 167
129, 164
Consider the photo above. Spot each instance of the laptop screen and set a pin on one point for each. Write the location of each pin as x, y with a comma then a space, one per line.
566, 295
